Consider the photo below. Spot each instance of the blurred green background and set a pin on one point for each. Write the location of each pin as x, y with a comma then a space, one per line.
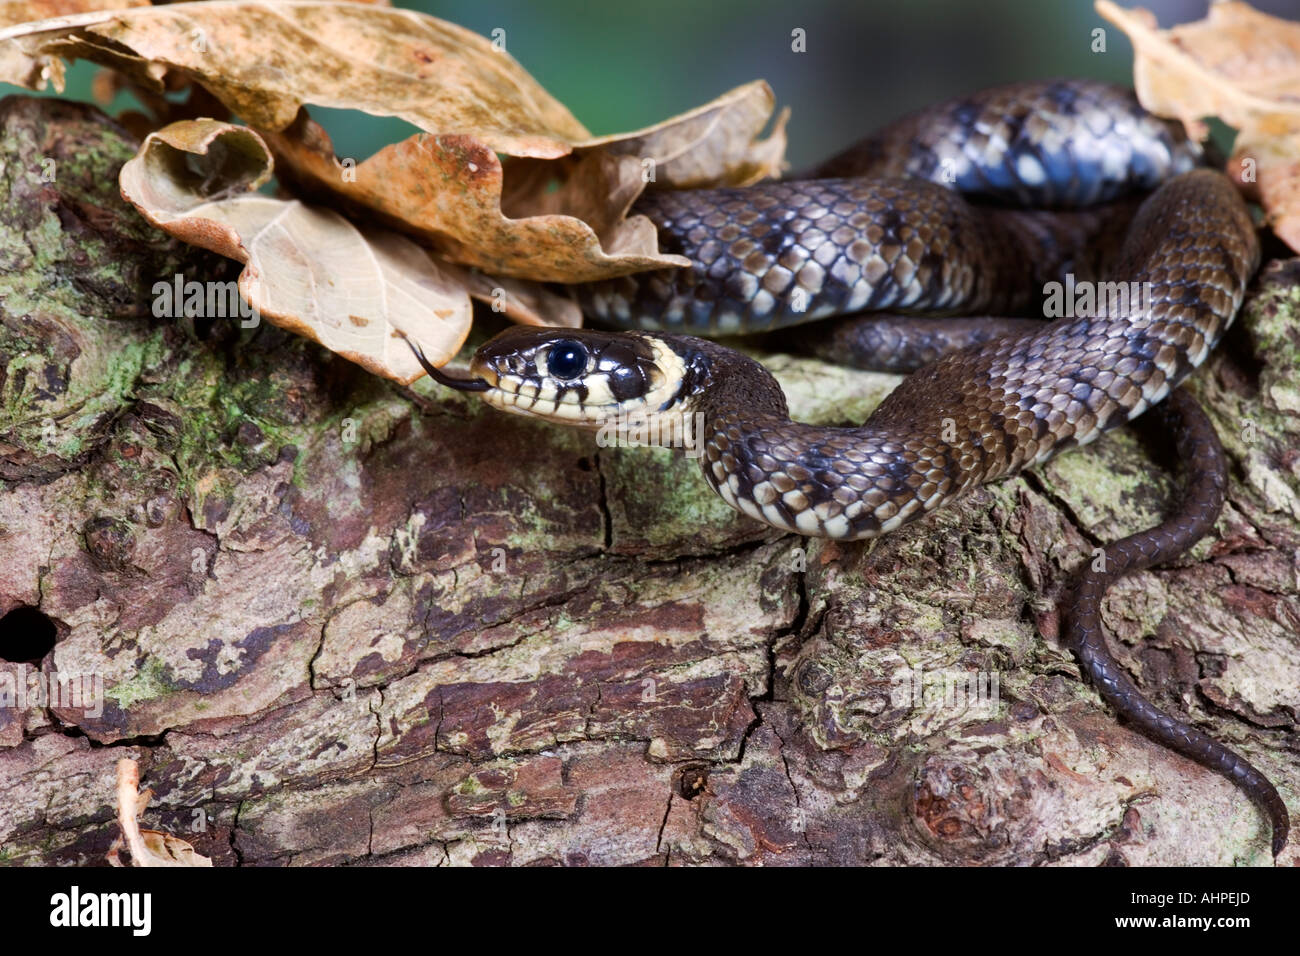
619, 66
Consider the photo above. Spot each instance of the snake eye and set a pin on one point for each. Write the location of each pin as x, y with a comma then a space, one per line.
567, 359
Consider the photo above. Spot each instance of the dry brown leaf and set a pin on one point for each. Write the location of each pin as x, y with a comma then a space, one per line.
433, 74
172, 851
559, 220
1242, 66
147, 847
529, 303
715, 144
307, 269
27, 11
1269, 154
446, 188
29, 70
1238, 64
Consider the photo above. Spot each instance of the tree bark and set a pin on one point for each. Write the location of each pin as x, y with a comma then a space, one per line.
337, 622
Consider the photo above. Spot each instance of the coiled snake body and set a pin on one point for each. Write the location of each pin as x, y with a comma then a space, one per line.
987, 399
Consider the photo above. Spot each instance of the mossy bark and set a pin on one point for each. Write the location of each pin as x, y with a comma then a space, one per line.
337, 621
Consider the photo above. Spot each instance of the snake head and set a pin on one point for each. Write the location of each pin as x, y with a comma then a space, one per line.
579, 377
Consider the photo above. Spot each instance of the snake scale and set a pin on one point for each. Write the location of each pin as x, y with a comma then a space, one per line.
965, 208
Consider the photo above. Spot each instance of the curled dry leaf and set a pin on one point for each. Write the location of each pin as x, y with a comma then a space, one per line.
561, 220
1242, 66
307, 269
448, 190
147, 847
476, 101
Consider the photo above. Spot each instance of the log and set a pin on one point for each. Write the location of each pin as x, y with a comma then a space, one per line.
339, 621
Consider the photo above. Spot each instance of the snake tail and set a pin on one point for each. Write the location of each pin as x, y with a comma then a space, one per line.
1202, 499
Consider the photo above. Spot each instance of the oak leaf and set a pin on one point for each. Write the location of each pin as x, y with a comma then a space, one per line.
1242, 66
357, 290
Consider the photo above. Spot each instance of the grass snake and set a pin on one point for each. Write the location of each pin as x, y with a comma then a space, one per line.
973, 207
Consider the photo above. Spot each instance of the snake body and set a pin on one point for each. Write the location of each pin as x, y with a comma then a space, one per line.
983, 404
889, 225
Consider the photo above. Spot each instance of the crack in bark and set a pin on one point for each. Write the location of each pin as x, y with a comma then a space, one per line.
738, 550
798, 801
606, 516
663, 824
379, 727
1067, 512
234, 832
320, 647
